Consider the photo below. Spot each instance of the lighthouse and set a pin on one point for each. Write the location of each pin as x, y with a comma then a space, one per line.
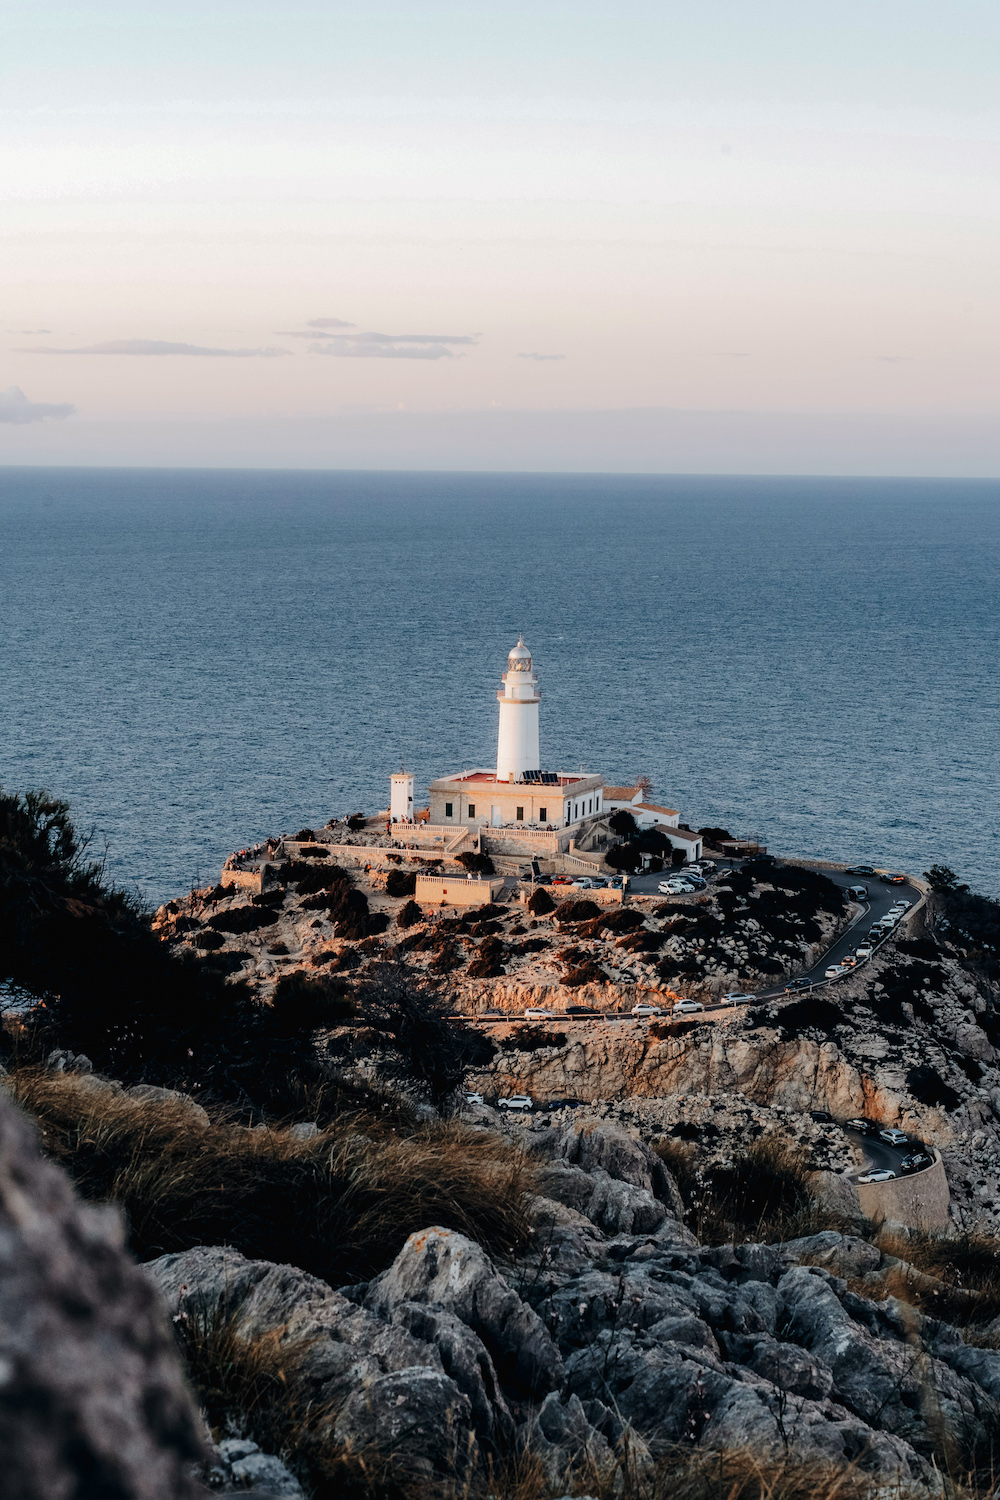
517, 741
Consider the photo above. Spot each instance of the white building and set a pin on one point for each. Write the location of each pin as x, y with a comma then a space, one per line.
517, 793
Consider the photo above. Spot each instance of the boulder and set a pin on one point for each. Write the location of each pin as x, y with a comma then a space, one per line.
341, 1356
92, 1399
417, 1417
843, 1254
443, 1268
614, 1151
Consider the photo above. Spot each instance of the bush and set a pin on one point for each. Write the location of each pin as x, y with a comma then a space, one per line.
540, 903
926, 1084
624, 857
764, 1195
587, 973
714, 836
531, 1038
243, 919
577, 911
401, 883
339, 1205
623, 824
356, 822
305, 836
408, 915
621, 919
476, 864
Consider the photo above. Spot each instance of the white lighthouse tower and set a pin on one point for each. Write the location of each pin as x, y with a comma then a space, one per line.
517, 743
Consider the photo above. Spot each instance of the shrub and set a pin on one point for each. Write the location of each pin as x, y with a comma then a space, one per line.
408, 915
642, 942
540, 903
926, 1084
305, 1003
763, 1195
624, 857
488, 963
487, 913
314, 851
339, 1205
304, 836
531, 1038
623, 824
209, 940
478, 864
714, 836
587, 973
242, 919
356, 822
621, 919
577, 911
401, 883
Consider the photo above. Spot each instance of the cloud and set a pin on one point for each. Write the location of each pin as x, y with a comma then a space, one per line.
15, 407
29, 331
329, 323
394, 345
541, 358
894, 359
158, 347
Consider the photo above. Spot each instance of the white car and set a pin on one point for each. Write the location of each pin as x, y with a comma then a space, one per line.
516, 1101
584, 883
667, 887
473, 1098
735, 999
687, 1007
646, 1010
865, 951
901, 905
892, 1136
834, 971
882, 1175
537, 1013
681, 887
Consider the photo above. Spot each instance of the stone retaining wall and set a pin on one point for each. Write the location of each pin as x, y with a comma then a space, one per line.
920, 1201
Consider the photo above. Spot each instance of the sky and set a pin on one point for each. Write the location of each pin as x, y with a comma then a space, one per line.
622, 236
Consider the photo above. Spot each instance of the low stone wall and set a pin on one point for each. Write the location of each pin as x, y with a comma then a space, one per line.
448, 890
920, 1201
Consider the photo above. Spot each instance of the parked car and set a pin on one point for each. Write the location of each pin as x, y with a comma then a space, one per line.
882, 1175
863, 1127
515, 1102
834, 971
822, 1117
903, 905
861, 869
865, 951
802, 983
647, 1010
687, 1007
537, 1013
562, 880
892, 1136
583, 883
473, 1098
918, 1162
698, 881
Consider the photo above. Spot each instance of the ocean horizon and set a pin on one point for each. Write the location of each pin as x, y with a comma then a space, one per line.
196, 659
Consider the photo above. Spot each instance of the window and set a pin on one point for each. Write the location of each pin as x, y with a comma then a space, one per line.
590, 805
472, 809
447, 809
543, 815
519, 818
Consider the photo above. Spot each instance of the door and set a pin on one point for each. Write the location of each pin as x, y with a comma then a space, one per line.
495, 818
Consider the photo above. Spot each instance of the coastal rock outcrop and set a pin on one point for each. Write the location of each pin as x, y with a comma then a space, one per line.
90, 1382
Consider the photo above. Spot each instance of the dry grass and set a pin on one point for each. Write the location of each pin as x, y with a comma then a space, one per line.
954, 1278
249, 1387
339, 1205
762, 1195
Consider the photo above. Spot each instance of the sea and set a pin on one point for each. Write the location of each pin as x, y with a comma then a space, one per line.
196, 659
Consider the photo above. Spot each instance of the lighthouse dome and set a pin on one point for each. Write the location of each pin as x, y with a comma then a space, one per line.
519, 659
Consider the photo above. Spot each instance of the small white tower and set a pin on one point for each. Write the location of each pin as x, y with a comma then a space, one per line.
517, 743
401, 797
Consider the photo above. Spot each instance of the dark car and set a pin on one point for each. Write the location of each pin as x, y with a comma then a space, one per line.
916, 1162
581, 1010
801, 983
822, 1117
757, 861
863, 1127
861, 870
888, 879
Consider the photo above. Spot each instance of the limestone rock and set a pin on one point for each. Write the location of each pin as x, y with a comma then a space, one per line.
415, 1415
443, 1268
91, 1384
